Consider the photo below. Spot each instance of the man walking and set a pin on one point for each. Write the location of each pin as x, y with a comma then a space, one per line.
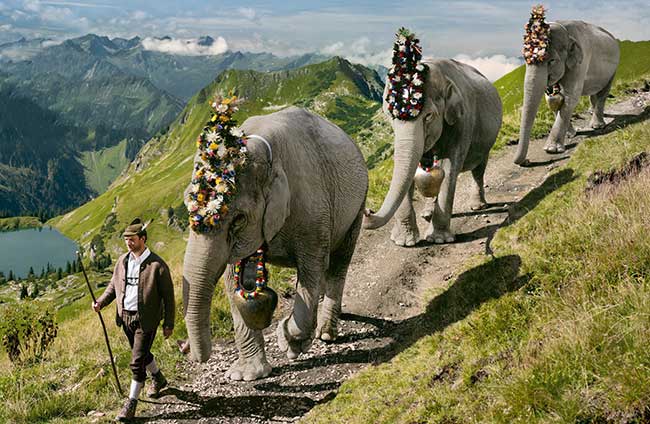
143, 288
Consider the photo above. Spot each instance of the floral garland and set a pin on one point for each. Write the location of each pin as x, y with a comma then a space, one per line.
536, 37
260, 275
406, 77
223, 152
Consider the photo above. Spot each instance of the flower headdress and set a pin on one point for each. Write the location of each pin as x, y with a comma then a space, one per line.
536, 37
405, 96
222, 151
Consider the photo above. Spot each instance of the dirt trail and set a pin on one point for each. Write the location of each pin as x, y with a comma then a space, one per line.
384, 299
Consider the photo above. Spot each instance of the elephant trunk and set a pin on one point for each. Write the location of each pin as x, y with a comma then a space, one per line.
534, 85
202, 267
409, 147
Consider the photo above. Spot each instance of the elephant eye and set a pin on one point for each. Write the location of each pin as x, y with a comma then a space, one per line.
429, 116
238, 223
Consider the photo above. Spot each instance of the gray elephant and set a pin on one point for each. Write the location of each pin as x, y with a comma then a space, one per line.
302, 193
459, 120
579, 59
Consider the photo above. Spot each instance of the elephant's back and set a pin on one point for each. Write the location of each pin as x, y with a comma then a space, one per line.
325, 168
602, 43
468, 79
477, 90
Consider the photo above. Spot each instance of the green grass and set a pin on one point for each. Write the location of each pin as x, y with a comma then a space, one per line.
103, 166
19, 223
554, 328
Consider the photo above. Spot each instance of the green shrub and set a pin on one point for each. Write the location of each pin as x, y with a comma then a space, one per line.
27, 330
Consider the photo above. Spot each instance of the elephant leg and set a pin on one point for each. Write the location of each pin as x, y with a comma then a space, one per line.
598, 106
296, 332
251, 363
555, 141
405, 232
478, 201
330, 308
439, 229
571, 131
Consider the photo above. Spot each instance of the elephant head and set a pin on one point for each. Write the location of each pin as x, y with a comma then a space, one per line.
256, 213
562, 55
443, 105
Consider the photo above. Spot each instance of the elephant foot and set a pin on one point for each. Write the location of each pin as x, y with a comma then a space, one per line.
440, 236
478, 204
554, 148
249, 369
327, 332
597, 123
405, 234
289, 344
571, 132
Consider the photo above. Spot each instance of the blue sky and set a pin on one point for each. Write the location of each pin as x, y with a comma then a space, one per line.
361, 30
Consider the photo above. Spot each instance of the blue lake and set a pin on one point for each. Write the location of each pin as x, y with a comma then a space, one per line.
34, 248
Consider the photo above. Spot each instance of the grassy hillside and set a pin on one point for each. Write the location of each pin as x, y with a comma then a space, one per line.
19, 222
554, 328
102, 167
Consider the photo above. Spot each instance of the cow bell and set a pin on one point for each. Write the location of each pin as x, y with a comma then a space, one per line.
257, 311
554, 98
428, 181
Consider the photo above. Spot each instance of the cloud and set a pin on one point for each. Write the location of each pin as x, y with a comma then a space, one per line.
359, 51
187, 47
493, 67
248, 13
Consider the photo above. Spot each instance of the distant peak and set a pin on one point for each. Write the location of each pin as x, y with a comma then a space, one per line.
205, 41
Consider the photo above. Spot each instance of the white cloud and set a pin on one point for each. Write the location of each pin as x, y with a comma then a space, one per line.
187, 47
493, 67
248, 13
359, 51
139, 15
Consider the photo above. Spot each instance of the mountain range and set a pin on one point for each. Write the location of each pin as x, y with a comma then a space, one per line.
105, 98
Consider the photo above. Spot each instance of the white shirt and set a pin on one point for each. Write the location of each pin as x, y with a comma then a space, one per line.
132, 279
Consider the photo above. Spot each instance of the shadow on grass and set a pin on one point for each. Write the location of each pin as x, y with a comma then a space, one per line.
519, 209
620, 121
533, 164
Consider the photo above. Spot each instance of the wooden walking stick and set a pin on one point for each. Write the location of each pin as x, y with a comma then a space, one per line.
108, 345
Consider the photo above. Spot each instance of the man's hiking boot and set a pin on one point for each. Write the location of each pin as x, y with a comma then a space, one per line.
158, 382
128, 410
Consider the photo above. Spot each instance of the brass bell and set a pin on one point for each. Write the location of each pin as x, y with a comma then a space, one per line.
428, 181
253, 299
257, 312
554, 98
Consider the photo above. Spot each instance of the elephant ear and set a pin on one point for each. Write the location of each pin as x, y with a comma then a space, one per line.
574, 56
453, 103
277, 199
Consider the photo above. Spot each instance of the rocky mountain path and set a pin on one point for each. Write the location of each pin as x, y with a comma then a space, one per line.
388, 292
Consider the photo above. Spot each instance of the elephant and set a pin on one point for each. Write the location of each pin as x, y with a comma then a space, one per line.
301, 193
459, 122
582, 59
